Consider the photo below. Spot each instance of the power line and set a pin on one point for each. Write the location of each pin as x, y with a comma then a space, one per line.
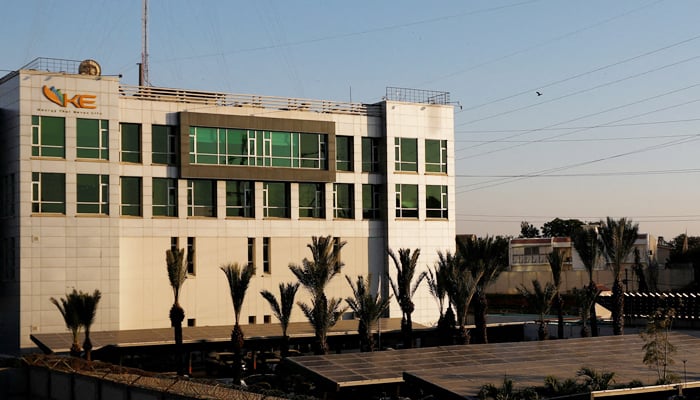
671, 121
608, 139
498, 182
591, 174
609, 83
591, 115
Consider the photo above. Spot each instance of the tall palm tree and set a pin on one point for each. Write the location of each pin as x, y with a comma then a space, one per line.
406, 264
461, 289
586, 243
177, 274
556, 262
486, 257
368, 308
86, 310
68, 307
437, 279
540, 300
238, 280
617, 239
314, 275
283, 309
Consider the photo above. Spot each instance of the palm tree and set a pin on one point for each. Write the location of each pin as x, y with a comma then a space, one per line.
540, 300
506, 391
238, 280
68, 307
437, 279
368, 308
617, 239
177, 273
556, 262
86, 310
461, 289
595, 380
283, 309
405, 264
314, 275
586, 243
485, 257
585, 299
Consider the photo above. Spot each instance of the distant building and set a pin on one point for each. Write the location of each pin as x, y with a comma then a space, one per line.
100, 179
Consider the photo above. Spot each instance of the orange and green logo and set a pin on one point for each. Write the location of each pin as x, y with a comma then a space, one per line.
78, 101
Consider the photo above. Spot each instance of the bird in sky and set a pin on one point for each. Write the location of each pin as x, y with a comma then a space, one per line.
538, 93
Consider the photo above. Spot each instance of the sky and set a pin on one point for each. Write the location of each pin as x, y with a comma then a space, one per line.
615, 131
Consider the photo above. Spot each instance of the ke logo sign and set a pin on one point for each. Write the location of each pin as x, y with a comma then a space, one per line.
78, 101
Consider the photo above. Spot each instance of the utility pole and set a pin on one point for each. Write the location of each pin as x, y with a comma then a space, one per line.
143, 67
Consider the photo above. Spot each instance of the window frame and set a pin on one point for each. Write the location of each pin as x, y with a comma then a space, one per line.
164, 135
344, 160
240, 201
86, 201
404, 161
195, 189
339, 210
127, 154
276, 210
98, 135
43, 201
439, 166
370, 154
317, 207
126, 182
171, 190
371, 201
41, 133
440, 212
402, 193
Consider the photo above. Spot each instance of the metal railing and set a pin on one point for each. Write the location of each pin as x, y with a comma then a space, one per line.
417, 95
53, 65
247, 100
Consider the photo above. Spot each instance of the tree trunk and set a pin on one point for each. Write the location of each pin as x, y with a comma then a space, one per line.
594, 316
407, 331
560, 316
542, 331
237, 341
75, 348
480, 309
87, 345
618, 307
177, 315
463, 335
284, 347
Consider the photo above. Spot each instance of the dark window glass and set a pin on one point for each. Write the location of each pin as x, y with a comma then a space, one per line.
406, 153
276, 199
48, 136
239, 199
312, 200
92, 194
370, 201
343, 201
436, 156
436, 201
131, 143
48, 193
407, 201
164, 144
131, 195
370, 154
266, 255
343, 153
201, 198
165, 197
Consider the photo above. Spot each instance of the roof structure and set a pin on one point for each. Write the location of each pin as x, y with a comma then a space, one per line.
460, 371
61, 342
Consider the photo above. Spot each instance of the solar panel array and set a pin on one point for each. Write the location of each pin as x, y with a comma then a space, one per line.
462, 370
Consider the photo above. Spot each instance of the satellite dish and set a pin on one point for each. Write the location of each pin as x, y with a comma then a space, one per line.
90, 67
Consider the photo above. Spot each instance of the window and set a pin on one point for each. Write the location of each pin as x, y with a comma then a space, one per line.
174, 243
131, 195
267, 319
190, 256
275, 200
164, 142
165, 197
251, 320
406, 201
343, 200
532, 251
436, 156
48, 192
370, 154
93, 194
266, 255
435, 201
337, 246
239, 199
221, 146
92, 139
131, 143
251, 252
343, 153
191, 322
201, 198
312, 200
370, 201
48, 136
406, 154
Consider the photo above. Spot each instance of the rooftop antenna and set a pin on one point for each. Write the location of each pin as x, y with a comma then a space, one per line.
143, 66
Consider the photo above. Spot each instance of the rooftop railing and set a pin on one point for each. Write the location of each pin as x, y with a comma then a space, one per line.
247, 100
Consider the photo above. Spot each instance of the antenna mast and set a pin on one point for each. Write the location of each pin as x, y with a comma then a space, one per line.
143, 67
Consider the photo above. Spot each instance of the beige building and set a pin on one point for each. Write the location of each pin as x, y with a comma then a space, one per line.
100, 179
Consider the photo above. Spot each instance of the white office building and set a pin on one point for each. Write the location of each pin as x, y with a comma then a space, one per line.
99, 179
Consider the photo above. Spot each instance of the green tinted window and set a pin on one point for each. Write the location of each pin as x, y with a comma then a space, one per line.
48, 136
406, 153
370, 201
201, 198
407, 201
131, 143
164, 144
436, 201
370, 154
436, 156
276, 199
48, 193
343, 200
312, 201
239, 199
92, 194
343, 153
165, 197
131, 195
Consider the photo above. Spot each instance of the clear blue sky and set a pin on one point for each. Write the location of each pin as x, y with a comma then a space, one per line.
618, 115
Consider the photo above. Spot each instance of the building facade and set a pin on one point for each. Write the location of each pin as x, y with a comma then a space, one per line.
100, 179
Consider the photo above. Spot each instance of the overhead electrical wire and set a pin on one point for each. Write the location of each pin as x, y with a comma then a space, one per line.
589, 174
670, 121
